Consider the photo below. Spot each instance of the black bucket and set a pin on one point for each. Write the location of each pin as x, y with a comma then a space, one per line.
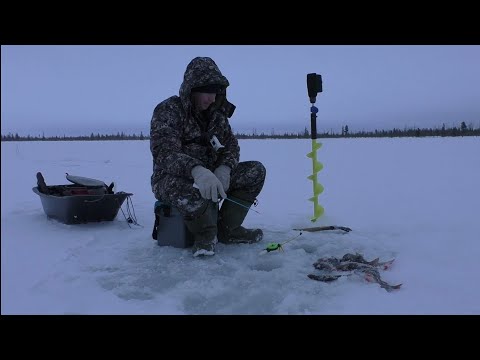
79, 203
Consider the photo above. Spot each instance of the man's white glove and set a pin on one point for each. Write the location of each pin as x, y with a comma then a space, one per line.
223, 174
208, 183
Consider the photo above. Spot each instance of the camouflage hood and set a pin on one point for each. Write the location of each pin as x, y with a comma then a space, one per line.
201, 71
180, 136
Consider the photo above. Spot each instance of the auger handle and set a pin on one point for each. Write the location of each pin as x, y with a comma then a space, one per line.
313, 122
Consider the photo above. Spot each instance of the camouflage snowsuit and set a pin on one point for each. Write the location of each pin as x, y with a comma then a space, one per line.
179, 141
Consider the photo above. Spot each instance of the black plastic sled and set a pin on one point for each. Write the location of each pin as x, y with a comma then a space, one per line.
86, 200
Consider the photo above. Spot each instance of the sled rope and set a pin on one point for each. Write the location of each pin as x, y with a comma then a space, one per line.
132, 217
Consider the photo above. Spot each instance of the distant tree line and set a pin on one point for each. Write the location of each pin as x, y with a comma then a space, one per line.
91, 137
463, 130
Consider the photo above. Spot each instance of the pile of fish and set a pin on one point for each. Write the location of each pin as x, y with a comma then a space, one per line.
351, 264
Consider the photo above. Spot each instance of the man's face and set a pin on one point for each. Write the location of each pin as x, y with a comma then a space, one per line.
202, 101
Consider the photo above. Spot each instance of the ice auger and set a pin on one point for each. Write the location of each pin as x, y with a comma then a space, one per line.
314, 85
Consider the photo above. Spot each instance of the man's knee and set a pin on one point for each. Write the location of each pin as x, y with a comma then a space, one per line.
186, 200
194, 209
156, 191
249, 176
260, 169
257, 173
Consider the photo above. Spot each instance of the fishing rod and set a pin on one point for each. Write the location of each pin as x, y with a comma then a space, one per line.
273, 246
278, 246
233, 201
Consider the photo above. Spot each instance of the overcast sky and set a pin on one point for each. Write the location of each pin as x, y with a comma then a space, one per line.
76, 90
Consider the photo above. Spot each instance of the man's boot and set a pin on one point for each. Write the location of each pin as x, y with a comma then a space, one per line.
204, 230
231, 217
